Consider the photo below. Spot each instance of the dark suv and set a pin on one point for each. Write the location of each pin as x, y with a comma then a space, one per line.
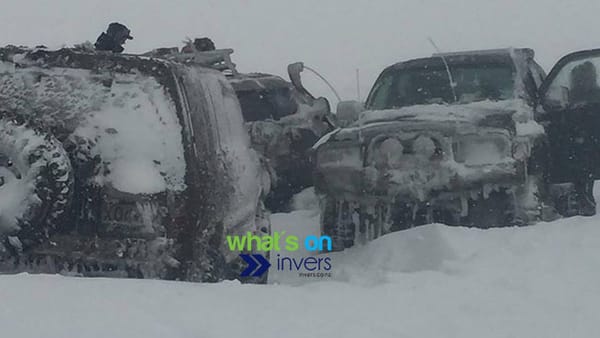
120, 165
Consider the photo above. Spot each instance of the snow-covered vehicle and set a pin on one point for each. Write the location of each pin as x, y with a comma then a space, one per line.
121, 165
450, 138
284, 119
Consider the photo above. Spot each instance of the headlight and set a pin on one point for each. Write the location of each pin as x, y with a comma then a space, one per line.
481, 149
339, 155
395, 153
386, 153
427, 148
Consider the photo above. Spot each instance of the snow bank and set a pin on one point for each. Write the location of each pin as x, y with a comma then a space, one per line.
428, 282
433, 281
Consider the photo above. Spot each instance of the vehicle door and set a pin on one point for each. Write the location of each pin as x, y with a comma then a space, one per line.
570, 112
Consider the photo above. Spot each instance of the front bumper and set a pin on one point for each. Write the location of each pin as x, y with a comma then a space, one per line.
424, 183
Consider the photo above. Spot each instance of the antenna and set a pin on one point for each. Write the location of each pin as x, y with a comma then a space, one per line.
450, 78
326, 82
357, 84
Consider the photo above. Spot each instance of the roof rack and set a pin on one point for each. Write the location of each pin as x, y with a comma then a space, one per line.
219, 59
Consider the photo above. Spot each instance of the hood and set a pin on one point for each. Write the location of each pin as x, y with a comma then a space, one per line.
490, 113
445, 119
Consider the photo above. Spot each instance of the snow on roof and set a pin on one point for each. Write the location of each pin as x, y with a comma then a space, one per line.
527, 51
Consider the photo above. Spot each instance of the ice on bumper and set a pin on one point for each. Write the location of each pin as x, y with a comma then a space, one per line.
416, 164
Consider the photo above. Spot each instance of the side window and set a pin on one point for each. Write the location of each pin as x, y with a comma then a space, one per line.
381, 90
255, 106
575, 83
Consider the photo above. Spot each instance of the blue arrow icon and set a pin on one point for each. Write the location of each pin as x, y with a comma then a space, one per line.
264, 265
258, 261
251, 265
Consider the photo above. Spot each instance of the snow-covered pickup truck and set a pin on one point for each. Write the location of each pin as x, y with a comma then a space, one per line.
121, 165
450, 138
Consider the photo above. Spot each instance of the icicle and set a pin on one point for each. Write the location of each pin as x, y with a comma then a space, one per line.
464, 206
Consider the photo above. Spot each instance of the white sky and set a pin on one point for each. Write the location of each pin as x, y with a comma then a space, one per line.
335, 37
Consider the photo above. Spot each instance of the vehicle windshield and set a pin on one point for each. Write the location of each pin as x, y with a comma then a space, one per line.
266, 104
425, 85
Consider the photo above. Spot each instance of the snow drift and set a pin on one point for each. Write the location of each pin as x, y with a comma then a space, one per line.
430, 281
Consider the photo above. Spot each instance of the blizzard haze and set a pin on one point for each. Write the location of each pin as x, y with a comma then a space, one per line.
335, 37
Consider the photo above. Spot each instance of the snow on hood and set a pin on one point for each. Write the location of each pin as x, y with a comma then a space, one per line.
473, 112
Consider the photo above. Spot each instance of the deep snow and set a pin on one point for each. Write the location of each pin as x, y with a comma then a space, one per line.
430, 281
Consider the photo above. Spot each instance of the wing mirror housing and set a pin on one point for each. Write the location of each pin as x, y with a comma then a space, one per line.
294, 70
347, 112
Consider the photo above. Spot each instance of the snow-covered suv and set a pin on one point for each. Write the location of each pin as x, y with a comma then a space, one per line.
450, 138
121, 165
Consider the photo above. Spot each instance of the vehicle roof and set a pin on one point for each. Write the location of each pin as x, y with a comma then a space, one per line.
499, 56
257, 82
84, 59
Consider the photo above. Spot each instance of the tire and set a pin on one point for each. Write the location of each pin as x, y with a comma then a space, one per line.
37, 184
492, 211
337, 222
349, 223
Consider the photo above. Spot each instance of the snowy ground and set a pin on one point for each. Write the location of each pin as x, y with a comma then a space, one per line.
432, 281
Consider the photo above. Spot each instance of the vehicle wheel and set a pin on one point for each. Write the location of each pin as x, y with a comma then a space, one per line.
339, 220
532, 202
35, 184
494, 210
350, 223
534, 199
569, 202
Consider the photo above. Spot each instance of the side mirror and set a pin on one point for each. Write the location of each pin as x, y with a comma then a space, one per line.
294, 70
347, 112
